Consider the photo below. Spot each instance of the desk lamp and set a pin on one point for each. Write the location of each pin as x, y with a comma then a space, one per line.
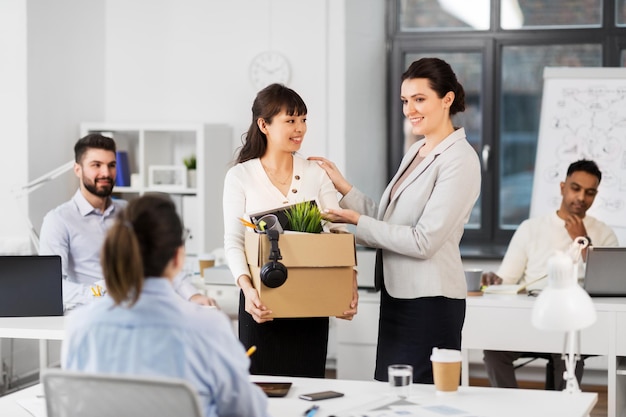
564, 306
37, 183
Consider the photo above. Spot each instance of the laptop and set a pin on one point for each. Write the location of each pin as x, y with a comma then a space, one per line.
605, 274
30, 286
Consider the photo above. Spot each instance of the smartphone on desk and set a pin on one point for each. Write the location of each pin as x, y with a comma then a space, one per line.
323, 395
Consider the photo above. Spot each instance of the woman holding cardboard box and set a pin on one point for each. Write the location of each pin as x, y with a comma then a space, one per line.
269, 175
418, 224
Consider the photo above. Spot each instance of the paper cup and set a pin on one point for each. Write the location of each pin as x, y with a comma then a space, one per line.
446, 370
205, 261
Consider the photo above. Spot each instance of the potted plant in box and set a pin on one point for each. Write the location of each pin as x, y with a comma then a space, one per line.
305, 217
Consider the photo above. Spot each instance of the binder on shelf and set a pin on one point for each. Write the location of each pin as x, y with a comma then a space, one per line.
123, 169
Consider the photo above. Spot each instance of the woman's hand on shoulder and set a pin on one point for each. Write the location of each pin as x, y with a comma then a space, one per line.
341, 184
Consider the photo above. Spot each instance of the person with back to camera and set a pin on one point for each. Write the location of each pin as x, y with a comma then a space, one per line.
269, 175
142, 327
418, 224
534, 242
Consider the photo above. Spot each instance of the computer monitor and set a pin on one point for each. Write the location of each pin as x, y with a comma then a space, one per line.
30, 286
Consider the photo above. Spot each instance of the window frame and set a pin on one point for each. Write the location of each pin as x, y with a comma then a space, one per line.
489, 241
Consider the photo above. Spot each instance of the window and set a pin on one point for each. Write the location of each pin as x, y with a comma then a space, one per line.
498, 49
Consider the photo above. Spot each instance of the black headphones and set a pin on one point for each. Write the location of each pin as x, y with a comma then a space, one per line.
273, 273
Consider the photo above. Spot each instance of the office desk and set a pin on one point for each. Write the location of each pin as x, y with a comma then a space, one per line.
475, 401
503, 322
42, 328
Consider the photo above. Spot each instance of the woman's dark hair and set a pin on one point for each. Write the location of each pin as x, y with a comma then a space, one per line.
144, 238
268, 103
441, 78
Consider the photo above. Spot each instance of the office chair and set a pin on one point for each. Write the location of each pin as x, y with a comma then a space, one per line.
74, 394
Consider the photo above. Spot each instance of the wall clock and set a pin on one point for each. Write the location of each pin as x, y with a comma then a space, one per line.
267, 68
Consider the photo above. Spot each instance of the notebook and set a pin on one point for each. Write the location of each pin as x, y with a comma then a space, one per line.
511, 288
605, 273
30, 286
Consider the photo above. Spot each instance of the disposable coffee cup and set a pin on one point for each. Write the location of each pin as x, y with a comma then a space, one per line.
446, 370
270, 222
472, 278
205, 261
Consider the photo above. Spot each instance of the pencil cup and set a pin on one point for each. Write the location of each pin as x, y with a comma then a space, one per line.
400, 379
271, 223
472, 278
446, 370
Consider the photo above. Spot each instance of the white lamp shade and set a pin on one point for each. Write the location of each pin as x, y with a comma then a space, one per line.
563, 305
563, 309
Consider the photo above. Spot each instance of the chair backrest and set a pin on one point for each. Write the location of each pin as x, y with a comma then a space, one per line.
73, 394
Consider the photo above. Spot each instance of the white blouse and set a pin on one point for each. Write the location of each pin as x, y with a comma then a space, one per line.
248, 189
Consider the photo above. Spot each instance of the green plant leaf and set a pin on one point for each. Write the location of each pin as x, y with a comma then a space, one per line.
190, 162
305, 217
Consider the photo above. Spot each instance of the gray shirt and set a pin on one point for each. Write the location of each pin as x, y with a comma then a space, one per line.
76, 230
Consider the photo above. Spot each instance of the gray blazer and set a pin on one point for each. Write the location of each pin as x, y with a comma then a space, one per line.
419, 230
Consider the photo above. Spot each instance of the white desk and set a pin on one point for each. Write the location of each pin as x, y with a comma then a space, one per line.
480, 401
42, 328
503, 322
498, 322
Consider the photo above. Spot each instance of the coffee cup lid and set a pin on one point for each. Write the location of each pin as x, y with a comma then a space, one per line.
445, 355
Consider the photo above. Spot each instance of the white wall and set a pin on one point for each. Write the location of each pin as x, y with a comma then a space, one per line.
169, 60
187, 60
63, 62
13, 169
65, 86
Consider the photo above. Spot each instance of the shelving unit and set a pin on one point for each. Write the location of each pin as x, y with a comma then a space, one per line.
167, 145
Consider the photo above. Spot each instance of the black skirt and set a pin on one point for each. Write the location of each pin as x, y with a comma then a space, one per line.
286, 347
408, 330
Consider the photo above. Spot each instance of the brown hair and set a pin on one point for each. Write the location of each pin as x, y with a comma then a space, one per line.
268, 103
144, 238
92, 141
441, 79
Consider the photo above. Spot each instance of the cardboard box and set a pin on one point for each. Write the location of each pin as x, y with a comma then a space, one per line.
319, 273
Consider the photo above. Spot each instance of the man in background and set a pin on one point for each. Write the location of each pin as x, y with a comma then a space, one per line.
76, 229
526, 261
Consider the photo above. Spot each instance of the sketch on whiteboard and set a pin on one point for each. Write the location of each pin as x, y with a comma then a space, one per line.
583, 117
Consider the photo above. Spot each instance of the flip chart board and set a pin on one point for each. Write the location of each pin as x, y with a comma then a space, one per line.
583, 115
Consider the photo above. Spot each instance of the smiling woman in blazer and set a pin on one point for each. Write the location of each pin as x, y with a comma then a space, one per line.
418, 224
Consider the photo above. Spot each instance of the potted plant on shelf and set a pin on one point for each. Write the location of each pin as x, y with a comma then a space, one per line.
190, 164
